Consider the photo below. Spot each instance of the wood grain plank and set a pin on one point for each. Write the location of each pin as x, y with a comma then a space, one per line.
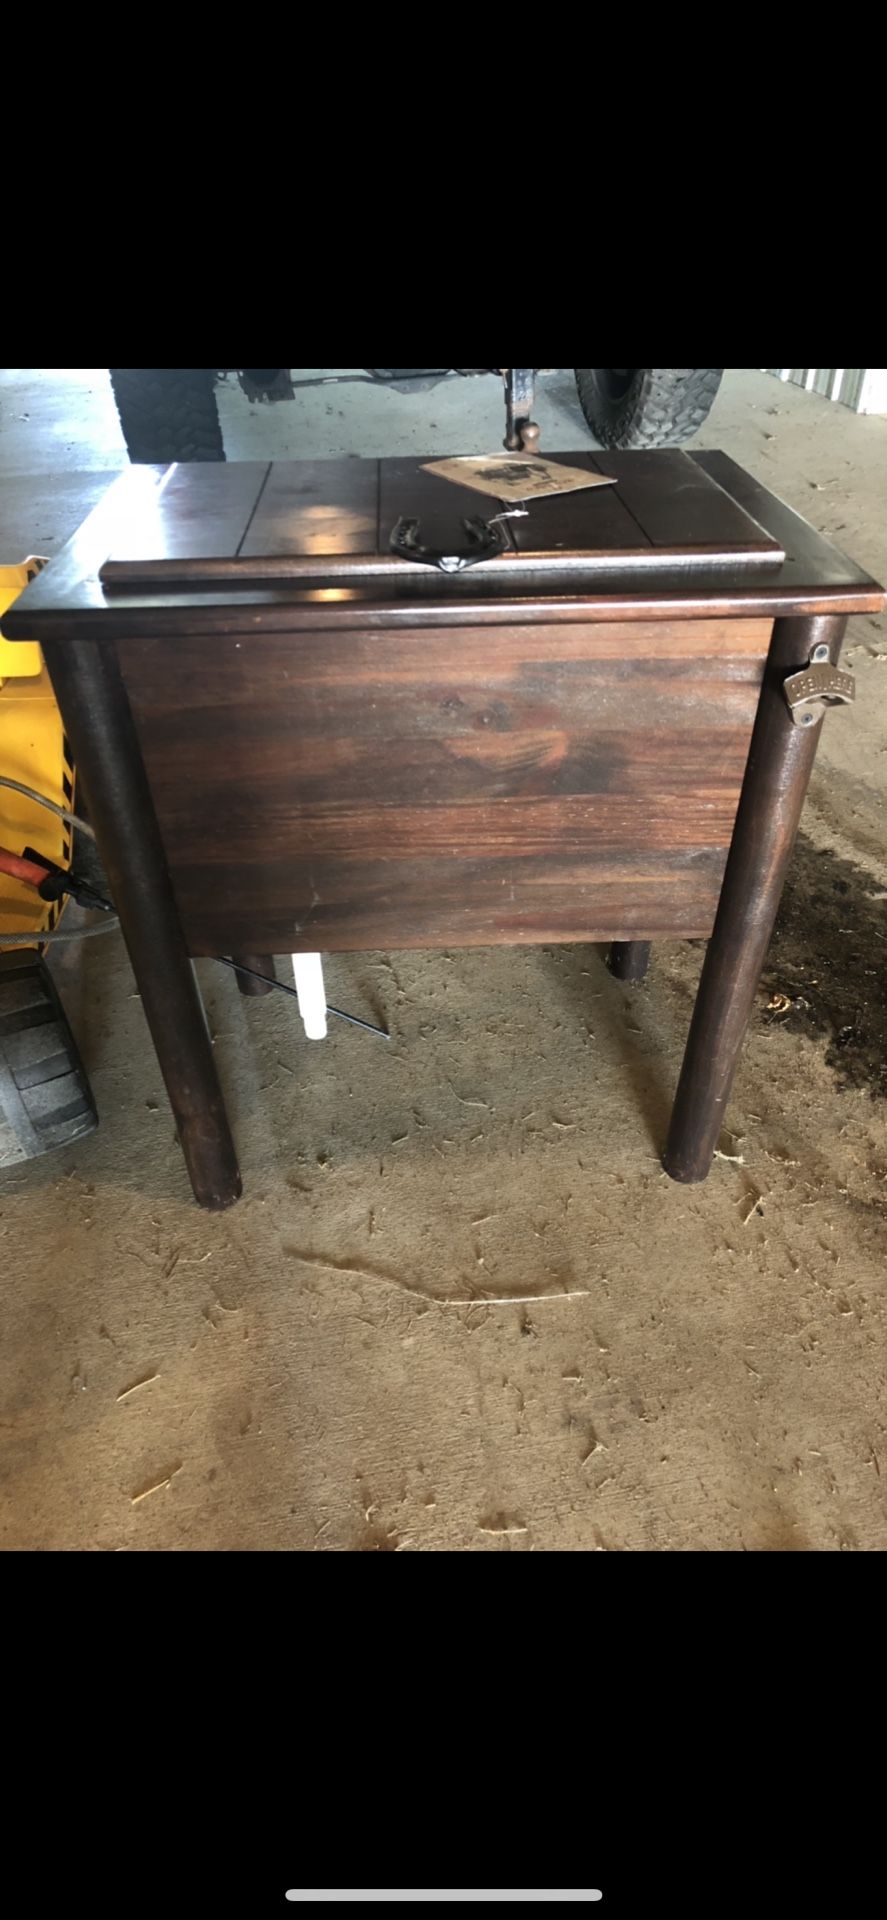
523, 763
351, 907
809, 557
680, 505
510, 826
598, 701
316, 507
478, 656
198, 510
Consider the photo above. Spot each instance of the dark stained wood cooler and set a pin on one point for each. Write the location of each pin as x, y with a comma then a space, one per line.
292, 739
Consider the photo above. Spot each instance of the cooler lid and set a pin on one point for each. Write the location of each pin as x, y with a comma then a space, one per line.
245, 525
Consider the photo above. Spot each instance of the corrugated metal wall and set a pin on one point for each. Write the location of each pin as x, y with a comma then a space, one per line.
862, 388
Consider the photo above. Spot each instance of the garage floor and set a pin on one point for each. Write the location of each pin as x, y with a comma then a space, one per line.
653, 1366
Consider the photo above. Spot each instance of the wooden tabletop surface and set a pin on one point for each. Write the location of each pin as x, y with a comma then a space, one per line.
247, 546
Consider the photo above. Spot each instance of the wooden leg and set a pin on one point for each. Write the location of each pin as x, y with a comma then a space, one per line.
779, 767
99, 723
263, 963
629, 959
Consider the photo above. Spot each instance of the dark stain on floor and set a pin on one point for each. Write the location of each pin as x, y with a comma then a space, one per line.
825, 972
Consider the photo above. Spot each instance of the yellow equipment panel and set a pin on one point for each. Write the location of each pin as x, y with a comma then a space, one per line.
33, 750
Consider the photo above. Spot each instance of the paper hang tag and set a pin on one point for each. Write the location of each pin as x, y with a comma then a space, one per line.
515, 476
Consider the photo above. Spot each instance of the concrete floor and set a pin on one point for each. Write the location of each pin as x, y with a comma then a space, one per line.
673, 1368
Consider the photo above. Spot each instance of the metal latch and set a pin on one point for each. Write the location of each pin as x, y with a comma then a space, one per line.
817, 686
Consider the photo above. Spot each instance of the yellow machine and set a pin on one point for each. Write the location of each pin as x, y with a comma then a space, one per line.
33, 750
45, 1100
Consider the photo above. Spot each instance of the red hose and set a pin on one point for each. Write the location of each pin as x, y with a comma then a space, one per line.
26, 870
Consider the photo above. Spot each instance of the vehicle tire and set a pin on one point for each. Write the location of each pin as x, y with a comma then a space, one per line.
168, 413
646, 406
45, 1097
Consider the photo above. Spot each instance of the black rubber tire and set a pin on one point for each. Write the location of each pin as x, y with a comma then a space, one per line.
168, 413
45, 1097
646, 406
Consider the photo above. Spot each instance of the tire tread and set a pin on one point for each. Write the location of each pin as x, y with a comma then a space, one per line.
168, 413
664, 406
